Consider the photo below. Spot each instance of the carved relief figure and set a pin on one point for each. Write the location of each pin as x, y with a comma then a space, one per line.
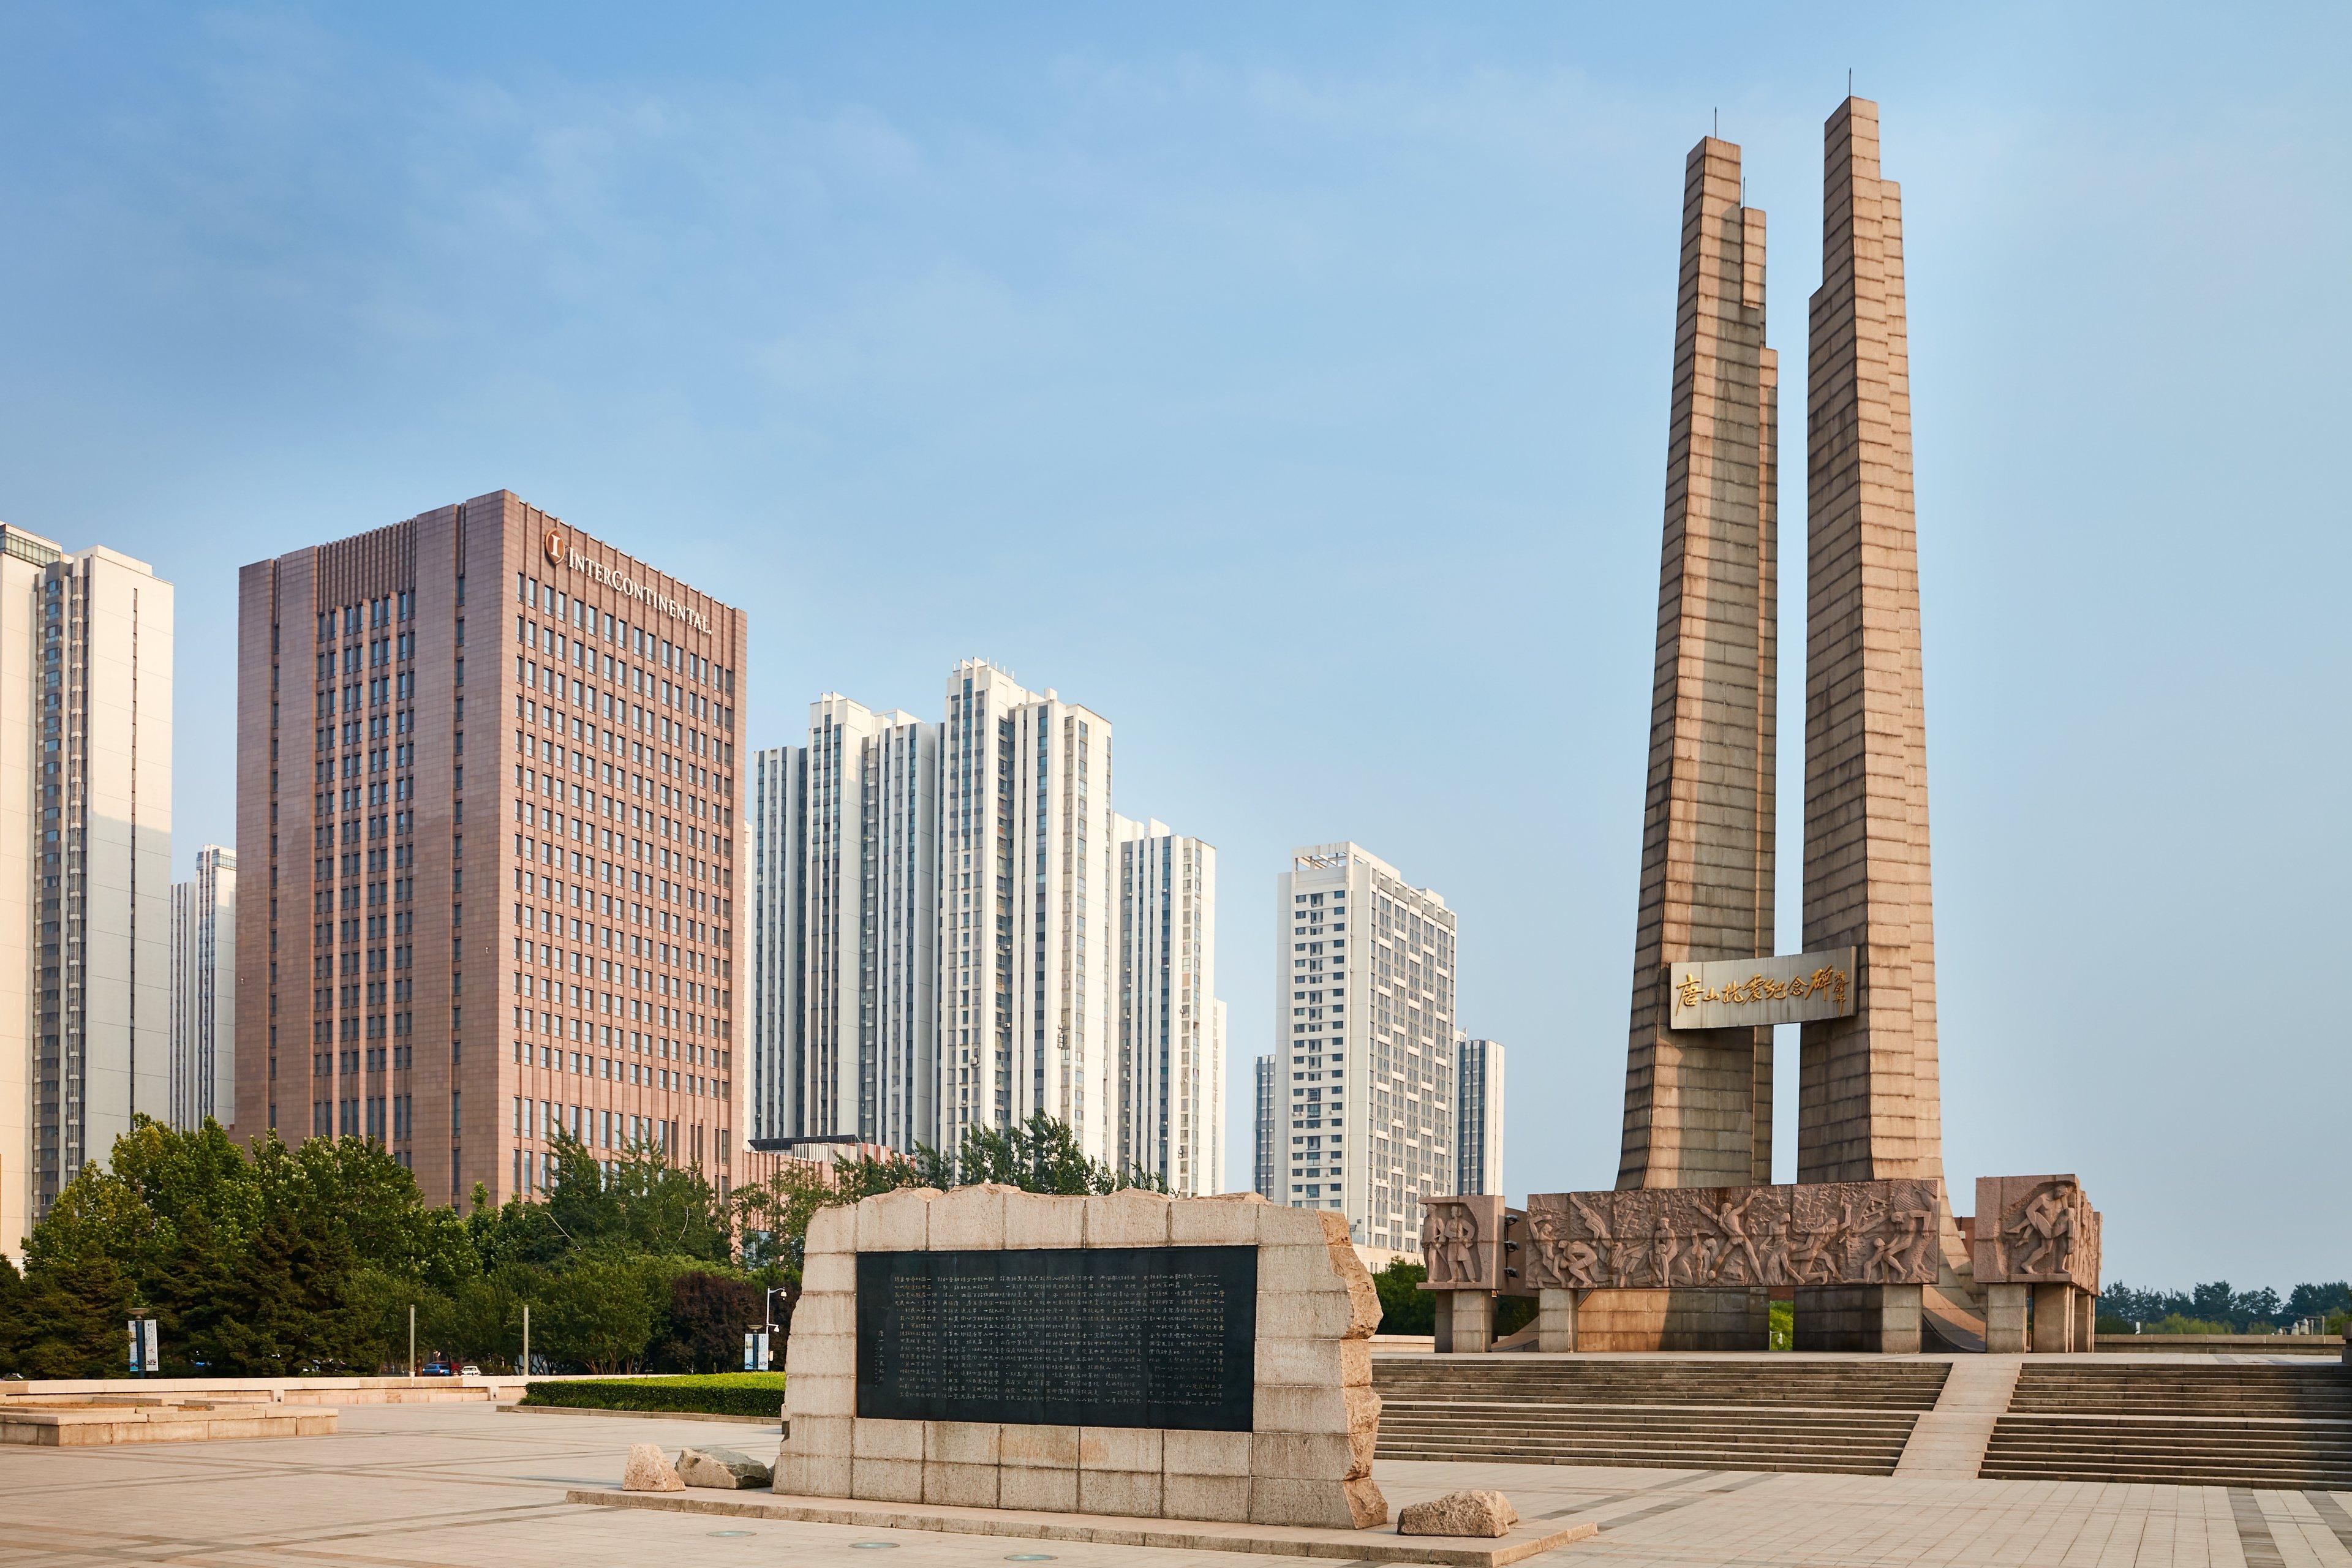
1731, 1220
1583, 1266
1450, 1245
2039, 1232
1663, 1245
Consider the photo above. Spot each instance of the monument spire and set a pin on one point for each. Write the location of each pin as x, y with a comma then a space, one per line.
1869, 1102
1698, 1104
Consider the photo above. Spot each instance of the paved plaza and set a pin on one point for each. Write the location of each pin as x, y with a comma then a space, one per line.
473, 1486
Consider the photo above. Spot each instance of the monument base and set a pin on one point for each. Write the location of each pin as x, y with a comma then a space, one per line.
1881, 1318
1464, 1323
1674, 1320
1530, 1538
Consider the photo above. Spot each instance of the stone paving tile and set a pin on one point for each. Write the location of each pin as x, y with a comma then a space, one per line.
468, 1487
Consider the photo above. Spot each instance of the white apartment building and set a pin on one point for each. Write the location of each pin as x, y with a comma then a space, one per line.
952, 929
204, 992
1364, 1030
869, 1036
1266, 1172
85, 862
775, 1093
1172, 1027
846, 839
1029, 914
1479, 1114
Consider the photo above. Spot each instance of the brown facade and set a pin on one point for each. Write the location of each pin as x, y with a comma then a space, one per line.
1699, 1104
490, 810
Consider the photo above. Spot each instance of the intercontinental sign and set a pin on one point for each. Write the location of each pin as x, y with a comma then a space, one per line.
559, 553
1743, 993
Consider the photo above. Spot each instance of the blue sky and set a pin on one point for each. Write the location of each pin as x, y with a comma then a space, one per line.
1289, 384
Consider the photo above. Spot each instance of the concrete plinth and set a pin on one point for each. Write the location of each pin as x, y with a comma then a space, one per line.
1465, 1322
2054, 1318
1556, 1322
2005, 1318
1678, 1320
1882, 1318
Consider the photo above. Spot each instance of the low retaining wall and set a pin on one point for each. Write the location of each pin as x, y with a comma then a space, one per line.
2225, 1344
281, 1389
192, 1421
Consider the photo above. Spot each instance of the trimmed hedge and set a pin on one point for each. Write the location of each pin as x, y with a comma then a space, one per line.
760, 1393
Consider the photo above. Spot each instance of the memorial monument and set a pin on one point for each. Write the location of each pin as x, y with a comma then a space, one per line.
1698, 1106
1687, 1252
1129, 1354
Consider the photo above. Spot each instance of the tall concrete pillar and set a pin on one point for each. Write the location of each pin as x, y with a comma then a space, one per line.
1698, 1104
1869, 1104
1869, 1101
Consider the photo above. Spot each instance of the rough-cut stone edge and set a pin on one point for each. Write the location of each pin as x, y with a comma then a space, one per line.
648, 1469
742, 1471
1423, 1518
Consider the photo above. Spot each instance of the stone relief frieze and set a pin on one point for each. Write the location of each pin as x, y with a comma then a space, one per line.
1822, 1233
1466, 1244
2035, 1230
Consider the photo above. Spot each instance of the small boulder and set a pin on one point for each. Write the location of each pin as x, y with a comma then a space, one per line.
649, 1471
720, 1467
1460, 1513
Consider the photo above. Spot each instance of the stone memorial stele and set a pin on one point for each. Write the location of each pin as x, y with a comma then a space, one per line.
1128, 1354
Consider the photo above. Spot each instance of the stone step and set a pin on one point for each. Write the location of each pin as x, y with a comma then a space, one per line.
2139, 1445
2216, 1474
1661, 1392
1559, 1417
1783, 1458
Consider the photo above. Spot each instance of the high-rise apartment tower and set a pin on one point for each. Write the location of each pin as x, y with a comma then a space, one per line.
954, 932
776, 1076
1266, 1169
85, 863
1172, 1027
1479, 1114
487, 793
846, 929
1364, 1029
1028, 923
204, 991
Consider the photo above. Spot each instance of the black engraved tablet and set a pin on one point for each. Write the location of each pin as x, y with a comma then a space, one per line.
1108, 1336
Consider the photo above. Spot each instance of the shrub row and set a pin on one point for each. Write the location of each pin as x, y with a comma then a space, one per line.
760, 1393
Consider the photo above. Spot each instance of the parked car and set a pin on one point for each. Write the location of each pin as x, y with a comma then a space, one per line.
470, 1370
436, 1369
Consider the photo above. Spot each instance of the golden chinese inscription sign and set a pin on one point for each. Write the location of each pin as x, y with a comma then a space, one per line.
1743, 993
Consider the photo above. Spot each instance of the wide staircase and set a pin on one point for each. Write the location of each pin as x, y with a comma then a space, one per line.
1846, 1416
2244, 1425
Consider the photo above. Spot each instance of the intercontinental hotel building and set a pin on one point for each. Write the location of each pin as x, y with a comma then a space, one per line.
489, 880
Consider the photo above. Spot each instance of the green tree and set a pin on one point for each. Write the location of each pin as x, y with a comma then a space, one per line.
290, 1305
193, 1286
1040, 1155
602, 1311
11, 1307
481, 1321
74, 1316
1405, 1309
704, 1327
